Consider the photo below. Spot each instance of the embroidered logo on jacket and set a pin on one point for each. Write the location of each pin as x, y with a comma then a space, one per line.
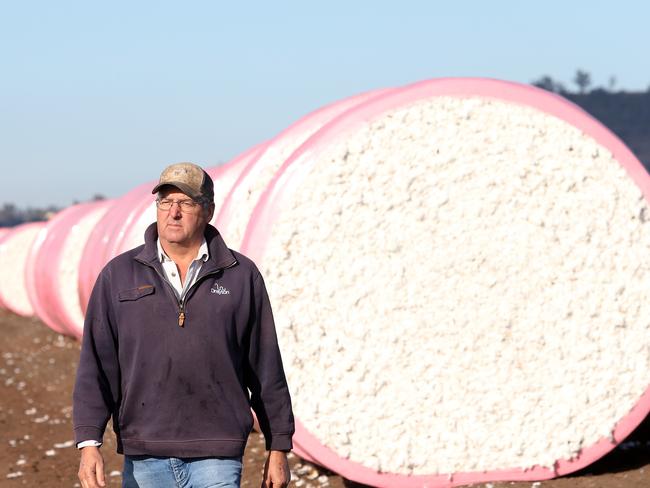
219, 290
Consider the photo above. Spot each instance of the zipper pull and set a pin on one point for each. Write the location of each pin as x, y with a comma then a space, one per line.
181, 315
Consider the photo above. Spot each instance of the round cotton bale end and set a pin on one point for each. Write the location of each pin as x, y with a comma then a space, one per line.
45, 286
14, 249
67, 261
246, 191
458, 271
3, 232
103, 242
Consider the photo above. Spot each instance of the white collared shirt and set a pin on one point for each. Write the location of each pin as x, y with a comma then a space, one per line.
171, 270
174, 277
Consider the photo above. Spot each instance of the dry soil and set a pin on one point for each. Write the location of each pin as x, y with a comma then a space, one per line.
37, 368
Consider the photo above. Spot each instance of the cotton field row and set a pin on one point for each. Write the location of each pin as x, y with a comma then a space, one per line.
458, 270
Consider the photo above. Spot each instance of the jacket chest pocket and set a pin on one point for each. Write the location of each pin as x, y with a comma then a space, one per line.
137, 314
133, 294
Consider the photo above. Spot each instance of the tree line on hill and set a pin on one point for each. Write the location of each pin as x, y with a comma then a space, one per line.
10, 215
625, 113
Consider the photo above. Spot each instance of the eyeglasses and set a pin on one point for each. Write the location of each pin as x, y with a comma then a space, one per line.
186, 206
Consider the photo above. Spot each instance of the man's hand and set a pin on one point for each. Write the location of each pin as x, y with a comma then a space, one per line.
91, 468
276, 470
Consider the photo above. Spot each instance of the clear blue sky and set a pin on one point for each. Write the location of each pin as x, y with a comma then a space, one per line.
97, 97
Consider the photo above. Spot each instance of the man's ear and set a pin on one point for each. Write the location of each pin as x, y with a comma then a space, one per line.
210, 211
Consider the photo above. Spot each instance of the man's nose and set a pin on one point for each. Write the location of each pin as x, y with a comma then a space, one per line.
175, 210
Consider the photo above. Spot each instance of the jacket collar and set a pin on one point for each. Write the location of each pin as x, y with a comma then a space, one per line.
202, 255
220, 256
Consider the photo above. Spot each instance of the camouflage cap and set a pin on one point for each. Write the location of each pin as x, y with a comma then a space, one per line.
188, 178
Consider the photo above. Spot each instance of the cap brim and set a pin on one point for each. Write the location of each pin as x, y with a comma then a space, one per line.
181, 186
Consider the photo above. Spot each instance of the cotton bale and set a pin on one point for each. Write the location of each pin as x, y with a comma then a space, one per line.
101, 245
3, 232
41, 272
52, 273
14, 249
458, 276
244, 194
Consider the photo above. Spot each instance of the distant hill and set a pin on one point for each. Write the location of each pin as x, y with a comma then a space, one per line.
10, 215
627, 114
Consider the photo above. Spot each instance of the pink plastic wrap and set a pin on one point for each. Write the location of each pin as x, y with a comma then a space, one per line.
102, 243
124, 214
285, 143
231, 174
132, 235
226, 175
14, 251
53, 263
299, 164
3, 232
41, 272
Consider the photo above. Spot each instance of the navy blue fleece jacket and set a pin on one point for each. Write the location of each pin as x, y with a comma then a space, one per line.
176, 376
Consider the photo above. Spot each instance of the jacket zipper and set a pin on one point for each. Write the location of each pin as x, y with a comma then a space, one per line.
181, 303
181, 314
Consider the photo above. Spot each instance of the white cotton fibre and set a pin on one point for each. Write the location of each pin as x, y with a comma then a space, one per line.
461, 285
14, 251
134, 236
241, 202
68, 266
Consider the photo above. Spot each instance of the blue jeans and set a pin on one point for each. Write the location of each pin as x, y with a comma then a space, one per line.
165, 472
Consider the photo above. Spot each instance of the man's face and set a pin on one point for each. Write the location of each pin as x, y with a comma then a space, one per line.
184, 227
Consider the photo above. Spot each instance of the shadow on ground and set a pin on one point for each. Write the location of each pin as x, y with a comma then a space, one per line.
632, 453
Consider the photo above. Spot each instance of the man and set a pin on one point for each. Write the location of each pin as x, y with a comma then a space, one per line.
177, 332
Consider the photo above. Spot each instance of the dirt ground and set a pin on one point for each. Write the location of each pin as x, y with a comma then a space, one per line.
37, 368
